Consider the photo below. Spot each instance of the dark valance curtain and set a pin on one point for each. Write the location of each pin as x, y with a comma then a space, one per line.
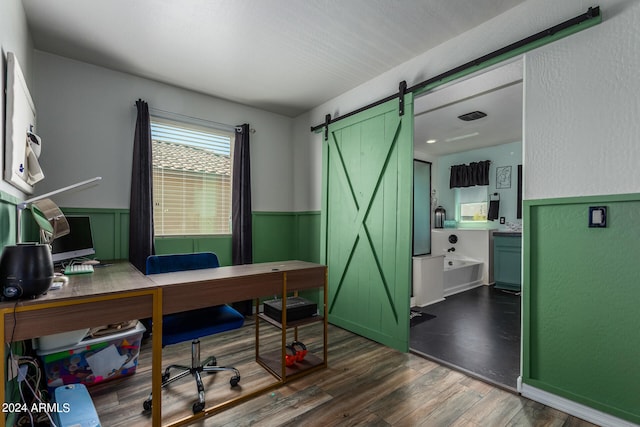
141, 200
475, 173
241, 238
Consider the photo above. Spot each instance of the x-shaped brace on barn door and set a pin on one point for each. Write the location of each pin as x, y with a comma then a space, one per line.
360, 231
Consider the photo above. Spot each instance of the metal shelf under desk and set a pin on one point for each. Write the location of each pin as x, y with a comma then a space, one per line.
274, 360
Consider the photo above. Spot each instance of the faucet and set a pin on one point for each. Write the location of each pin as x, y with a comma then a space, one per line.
452, 249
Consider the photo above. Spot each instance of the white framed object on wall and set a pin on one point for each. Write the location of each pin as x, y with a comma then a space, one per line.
22, 145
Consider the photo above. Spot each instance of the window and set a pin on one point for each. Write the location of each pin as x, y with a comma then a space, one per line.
473, 212
191, 179
472, 202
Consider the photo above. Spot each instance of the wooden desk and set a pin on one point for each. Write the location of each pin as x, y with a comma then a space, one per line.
120, 292
112, 294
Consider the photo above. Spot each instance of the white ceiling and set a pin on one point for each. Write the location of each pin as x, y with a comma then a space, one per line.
497, 93
283, 56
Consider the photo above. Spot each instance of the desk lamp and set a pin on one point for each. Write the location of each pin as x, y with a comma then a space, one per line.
47, 212
50, 219
26, 269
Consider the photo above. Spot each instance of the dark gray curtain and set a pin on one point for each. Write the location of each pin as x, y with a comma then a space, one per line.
476, 173
141, 201
241, 238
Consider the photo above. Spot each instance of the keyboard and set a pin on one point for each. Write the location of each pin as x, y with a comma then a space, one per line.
78, 269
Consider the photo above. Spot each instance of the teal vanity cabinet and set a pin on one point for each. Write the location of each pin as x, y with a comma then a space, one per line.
507, 260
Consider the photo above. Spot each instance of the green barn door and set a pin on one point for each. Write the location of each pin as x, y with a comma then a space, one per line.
366, 222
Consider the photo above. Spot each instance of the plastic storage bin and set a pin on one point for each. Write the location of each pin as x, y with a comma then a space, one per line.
62, 340
94, 360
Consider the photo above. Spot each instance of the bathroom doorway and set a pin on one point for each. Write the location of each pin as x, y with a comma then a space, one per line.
474, 119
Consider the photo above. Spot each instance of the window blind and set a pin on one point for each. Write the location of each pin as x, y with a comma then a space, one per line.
191, 179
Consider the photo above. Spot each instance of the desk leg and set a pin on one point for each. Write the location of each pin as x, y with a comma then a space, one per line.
283, 320
257, 325
3, 379
326, 316
156, 359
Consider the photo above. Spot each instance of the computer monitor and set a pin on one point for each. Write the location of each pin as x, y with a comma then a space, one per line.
78, 243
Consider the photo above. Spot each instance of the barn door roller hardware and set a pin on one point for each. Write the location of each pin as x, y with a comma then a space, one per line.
402, 89
327, 122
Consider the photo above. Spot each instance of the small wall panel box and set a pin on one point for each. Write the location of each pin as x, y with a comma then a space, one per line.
21, 118
597, 216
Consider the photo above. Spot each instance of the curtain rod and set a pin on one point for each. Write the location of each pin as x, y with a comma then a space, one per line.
195, 120
533, 41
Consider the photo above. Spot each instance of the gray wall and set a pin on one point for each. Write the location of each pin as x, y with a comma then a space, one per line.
87, 120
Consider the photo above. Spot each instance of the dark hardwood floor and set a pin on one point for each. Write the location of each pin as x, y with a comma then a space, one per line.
477, 331
365, 384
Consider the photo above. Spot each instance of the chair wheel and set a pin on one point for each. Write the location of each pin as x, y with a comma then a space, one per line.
198, 407
146, 405
234, 381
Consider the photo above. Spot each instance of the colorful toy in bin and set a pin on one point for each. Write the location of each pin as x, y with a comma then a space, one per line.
94, 361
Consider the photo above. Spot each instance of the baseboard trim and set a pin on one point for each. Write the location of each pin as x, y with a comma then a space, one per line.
576, 409
462, 288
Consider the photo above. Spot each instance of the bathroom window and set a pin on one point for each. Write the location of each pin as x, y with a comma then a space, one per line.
473, 212
472, 203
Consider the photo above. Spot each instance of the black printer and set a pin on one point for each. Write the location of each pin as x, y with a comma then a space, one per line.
297, 308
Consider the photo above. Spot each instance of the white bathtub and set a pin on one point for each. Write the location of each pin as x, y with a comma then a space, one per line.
427, 280
461, 275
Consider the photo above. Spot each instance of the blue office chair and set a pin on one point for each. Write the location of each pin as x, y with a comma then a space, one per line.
194, 324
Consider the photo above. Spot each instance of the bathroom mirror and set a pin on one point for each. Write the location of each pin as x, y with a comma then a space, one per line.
421, 207
519, 205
